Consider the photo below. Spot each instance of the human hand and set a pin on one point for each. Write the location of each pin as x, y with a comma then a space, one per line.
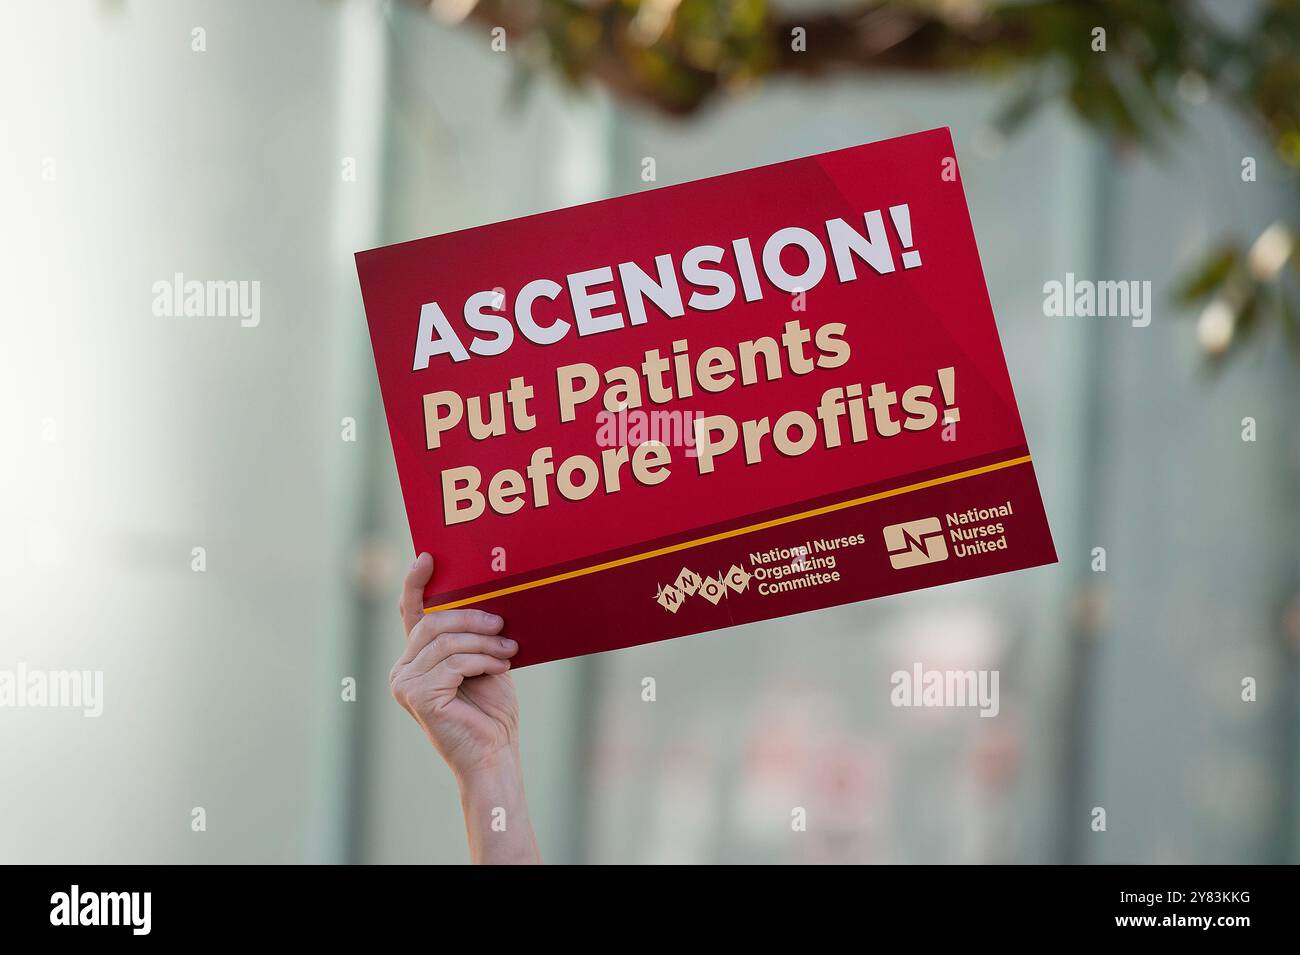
453, 678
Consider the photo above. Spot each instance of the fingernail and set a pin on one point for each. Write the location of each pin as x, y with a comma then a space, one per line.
495, 620
508, 644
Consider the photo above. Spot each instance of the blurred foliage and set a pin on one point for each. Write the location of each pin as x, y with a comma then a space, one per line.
1239, 286
1157, 56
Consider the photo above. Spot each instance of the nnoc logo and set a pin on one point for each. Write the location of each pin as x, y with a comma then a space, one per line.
712, 589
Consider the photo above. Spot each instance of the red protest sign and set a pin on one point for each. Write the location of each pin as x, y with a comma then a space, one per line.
707, 404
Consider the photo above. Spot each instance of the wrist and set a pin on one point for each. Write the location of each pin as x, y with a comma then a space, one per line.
501, 767
496, 812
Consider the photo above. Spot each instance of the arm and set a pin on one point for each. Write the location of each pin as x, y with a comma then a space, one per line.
454, 679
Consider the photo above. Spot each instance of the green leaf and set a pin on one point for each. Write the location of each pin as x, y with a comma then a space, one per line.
1209, 276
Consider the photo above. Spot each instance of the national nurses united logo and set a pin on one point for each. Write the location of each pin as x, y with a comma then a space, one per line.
712, 589
915, 542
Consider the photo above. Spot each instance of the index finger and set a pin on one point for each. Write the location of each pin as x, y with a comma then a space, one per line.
439, 622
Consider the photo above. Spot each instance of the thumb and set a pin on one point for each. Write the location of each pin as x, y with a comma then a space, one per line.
411, 606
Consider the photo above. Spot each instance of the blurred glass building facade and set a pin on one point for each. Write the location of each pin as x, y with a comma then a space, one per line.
306, 131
